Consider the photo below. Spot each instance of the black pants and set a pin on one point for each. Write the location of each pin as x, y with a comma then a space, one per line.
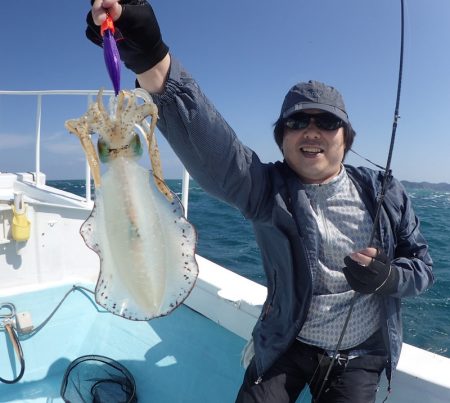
354, 381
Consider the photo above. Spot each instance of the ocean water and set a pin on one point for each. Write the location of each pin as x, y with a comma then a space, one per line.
226, 238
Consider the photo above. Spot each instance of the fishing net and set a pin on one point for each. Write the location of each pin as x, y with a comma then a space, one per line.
97, 379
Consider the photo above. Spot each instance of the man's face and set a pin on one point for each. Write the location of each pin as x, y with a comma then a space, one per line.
315, 154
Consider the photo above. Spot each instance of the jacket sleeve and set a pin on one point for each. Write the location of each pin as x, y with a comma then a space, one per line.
411, 256
207, 146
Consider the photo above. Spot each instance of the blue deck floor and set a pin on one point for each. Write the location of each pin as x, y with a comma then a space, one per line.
183, 357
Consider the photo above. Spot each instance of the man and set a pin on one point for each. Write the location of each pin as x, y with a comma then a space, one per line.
309, 213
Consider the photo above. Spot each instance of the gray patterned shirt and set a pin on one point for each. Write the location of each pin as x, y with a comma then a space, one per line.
345, 226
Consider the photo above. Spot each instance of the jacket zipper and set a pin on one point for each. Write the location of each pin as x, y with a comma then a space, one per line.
258, 381
323, 217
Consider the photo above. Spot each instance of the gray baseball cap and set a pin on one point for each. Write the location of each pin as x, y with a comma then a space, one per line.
313, 95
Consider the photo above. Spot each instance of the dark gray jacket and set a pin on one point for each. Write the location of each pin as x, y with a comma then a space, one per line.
269, 196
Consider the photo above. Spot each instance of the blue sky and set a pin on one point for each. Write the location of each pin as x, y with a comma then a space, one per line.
245, 55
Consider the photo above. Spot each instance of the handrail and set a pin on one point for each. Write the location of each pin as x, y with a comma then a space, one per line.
56, 92
89, 94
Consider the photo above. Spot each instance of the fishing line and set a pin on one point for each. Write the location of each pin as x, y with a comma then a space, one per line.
386, 179
364, 158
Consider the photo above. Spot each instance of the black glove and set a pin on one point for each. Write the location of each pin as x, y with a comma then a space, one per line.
141, 46
378, 277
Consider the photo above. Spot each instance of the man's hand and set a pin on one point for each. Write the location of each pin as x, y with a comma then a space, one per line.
369, 271
141, 46
101, 8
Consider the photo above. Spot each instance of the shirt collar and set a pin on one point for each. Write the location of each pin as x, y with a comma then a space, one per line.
327, 189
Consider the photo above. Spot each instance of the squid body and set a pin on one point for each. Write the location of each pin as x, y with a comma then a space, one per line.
137, 227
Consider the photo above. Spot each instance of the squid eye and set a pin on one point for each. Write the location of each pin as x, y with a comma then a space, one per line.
103, 151
135, 145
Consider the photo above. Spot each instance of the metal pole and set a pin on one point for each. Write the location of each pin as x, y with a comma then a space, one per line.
87, 169
185, 191
38, 137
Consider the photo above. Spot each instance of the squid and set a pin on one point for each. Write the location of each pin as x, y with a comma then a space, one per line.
137, 226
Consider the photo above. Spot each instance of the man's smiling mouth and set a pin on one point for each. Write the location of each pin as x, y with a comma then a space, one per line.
311, 150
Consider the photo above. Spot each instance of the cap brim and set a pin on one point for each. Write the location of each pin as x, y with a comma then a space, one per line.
311, 105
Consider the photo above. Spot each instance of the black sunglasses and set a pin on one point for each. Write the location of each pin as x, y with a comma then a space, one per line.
325, 121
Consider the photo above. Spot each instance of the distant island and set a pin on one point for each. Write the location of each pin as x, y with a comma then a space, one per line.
444, 187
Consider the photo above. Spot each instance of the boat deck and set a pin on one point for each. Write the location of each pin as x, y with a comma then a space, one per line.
183, 357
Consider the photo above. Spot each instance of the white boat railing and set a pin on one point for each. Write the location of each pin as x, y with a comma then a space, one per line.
89, 94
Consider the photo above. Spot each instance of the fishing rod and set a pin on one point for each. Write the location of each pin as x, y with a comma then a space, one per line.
387, 176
